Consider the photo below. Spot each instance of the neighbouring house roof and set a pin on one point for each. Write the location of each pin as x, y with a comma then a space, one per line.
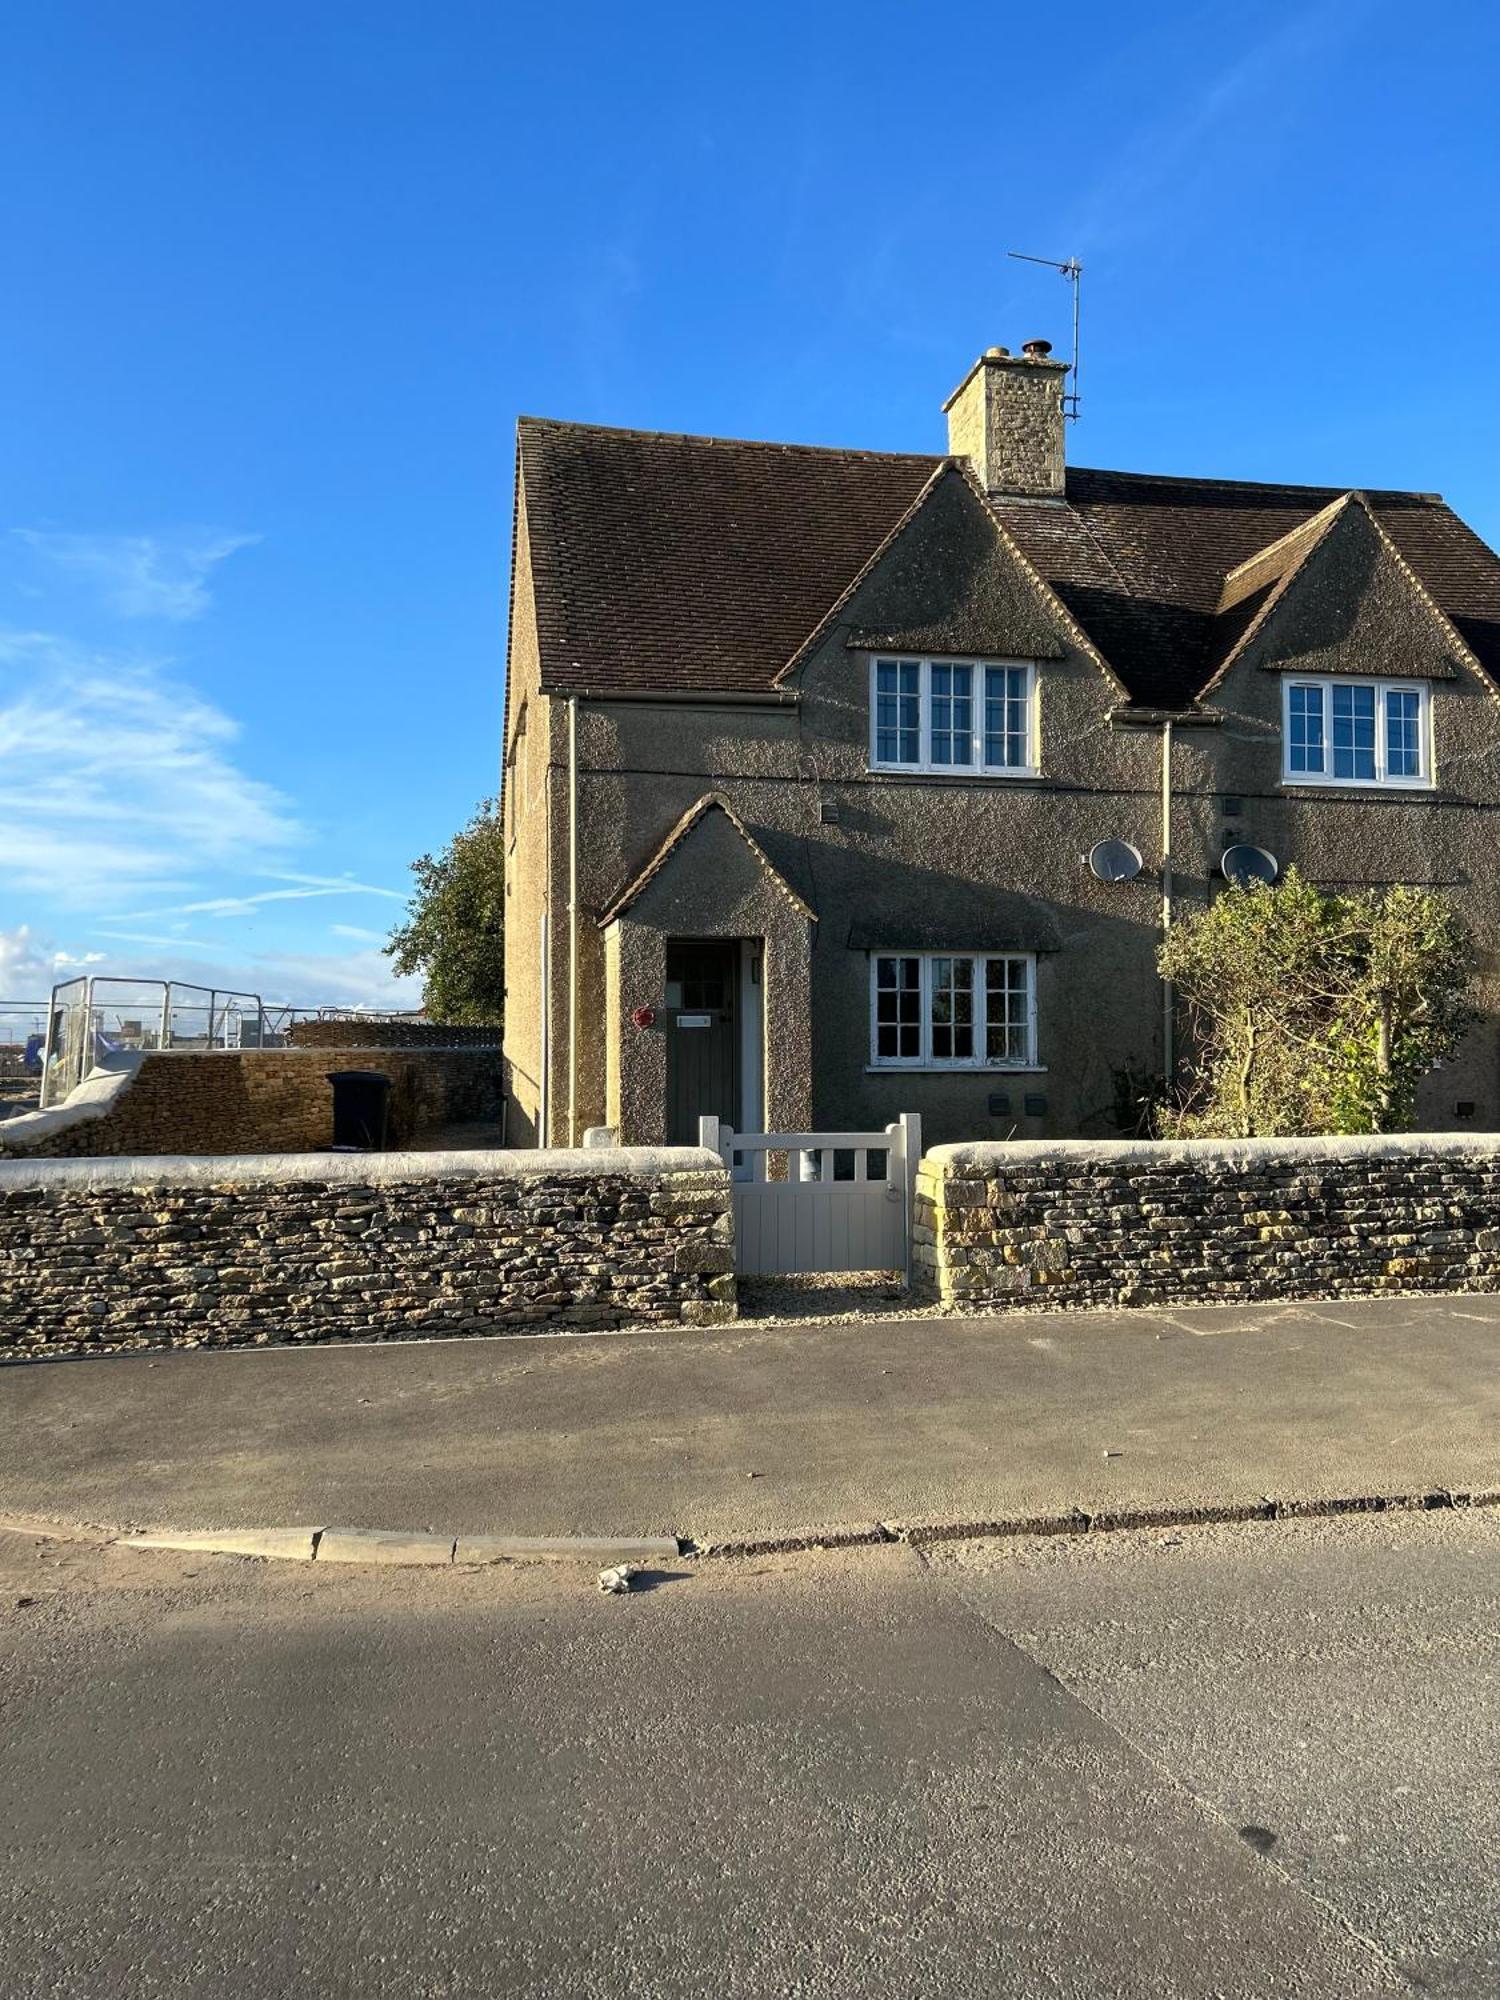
710, 802
1142, 562
668, 563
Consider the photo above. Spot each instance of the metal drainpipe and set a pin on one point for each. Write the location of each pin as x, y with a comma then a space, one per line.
572, 920
1168, 1052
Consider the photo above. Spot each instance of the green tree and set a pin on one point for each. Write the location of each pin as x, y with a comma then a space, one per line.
1407, 1010
1310, 1012
454, 934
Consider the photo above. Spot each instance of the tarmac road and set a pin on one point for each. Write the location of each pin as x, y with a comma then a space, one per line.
1016, 1769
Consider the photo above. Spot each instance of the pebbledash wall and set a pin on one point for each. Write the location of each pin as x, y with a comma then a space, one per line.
251, 1101
98, 1255
1090, 1223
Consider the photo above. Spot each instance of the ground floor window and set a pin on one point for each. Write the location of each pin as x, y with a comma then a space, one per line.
952, 1010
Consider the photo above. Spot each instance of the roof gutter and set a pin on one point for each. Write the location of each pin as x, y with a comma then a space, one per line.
679, 698
1131, 716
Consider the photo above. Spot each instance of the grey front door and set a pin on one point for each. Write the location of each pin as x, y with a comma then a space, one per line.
702, 1035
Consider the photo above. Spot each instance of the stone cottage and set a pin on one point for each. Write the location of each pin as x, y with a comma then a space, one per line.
843, 783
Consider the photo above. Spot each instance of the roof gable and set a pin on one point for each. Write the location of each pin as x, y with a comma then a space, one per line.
948, 579
1142, 562
1338, 598
709, 803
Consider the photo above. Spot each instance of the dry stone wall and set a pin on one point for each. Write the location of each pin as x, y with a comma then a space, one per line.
257, 1101
1091, 1223
373, 1032
109, 1255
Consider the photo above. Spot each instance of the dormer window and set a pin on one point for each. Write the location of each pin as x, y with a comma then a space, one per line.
953, 716
1349, 732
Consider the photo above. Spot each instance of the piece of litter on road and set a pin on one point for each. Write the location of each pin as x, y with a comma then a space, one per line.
618, 1580
1114, 1454
755, 1475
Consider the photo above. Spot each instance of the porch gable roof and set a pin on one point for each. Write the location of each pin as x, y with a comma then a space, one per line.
710, 802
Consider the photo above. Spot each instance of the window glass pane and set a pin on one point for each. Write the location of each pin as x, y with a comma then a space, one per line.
1353, 731
1305, 729
952, 715
1007, 732
952, 1010
898, 712
1007, 998
1403, 741
898, 1009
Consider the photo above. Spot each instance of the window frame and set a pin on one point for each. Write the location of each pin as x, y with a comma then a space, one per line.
924, 765
925, 1060
1382, 687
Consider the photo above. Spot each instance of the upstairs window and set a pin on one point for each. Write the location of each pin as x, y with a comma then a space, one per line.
1347, 732
953, 716
952, 1010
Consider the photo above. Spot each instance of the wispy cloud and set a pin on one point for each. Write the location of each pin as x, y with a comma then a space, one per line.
247, 905
1154, 168
357, 932
141, 576
116, 778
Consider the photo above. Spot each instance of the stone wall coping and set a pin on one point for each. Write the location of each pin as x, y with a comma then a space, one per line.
592, 1163
314, 1052
88, 1100
997, 1158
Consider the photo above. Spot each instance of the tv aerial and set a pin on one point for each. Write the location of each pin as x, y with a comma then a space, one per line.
1072, 270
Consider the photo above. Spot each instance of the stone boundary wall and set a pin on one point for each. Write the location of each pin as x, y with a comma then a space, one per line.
374, 1033
1119, 1222
250, 1101
98, 1256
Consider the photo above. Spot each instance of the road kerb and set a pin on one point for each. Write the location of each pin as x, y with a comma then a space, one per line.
393, 1546
275, 1544
602, 1549
382, 1545
411, 1549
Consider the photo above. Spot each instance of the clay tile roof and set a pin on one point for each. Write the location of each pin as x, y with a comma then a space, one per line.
1142, 563
667, 563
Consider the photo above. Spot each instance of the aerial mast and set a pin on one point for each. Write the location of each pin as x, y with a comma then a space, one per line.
1072, 270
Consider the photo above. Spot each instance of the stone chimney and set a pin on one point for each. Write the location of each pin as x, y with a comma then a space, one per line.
1006, 418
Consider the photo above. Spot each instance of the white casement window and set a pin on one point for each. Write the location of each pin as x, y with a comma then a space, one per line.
1347, 732
952, 1010
953, 716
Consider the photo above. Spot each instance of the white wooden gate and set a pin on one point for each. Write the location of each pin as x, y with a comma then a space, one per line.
820, 1201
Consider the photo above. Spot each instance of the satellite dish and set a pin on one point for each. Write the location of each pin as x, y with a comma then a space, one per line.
1245, 865
1114, 861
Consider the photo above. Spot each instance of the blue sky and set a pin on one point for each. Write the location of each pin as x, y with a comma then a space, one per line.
280, 278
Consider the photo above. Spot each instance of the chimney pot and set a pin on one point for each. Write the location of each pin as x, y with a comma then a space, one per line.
1037, 349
